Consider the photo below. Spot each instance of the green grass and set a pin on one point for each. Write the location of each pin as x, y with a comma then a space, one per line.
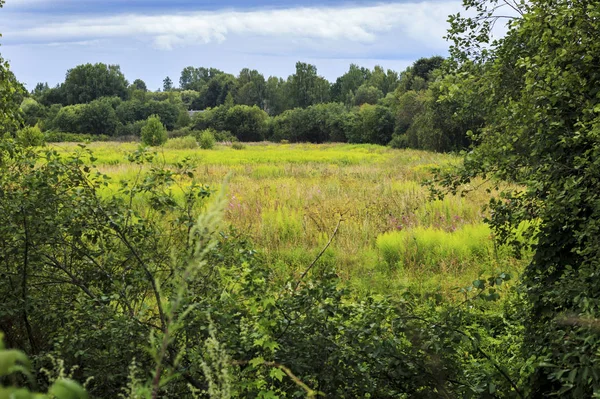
289, 198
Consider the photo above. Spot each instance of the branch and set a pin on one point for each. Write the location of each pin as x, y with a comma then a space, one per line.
320, 253
311, 393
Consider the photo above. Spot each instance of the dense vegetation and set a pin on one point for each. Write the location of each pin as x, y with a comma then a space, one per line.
362, 106
133, 278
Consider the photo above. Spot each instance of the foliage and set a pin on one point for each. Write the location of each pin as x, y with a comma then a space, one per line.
541, 133
14, 361
154, 132
30, 136
373, 124
89, 82
10, 99
367, 95
58, 137
206, 139
32, 111
181, 143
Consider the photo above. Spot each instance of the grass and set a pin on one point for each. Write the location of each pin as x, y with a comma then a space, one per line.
289, 198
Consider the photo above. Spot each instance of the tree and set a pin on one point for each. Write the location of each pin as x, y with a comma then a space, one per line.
367, 95
247, 123
167, 84
277, 98
154, 132
11, 93
139, 84
251, 88
541, 134
347, 84
88, 82
373, 124
306, 87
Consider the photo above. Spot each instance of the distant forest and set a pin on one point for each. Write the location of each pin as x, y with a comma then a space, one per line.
362, 106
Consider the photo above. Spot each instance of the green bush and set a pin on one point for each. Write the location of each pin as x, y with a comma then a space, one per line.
182, 143
183, 132
61, 137
207, 139
154, 133
224, 135
30, 136
399, 141
238, 146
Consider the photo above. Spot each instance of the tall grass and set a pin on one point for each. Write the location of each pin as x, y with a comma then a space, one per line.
288, 198
431, 249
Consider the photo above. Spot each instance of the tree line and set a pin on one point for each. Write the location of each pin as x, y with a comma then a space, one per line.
362, 106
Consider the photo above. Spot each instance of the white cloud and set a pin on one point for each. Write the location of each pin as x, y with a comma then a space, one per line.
422, 23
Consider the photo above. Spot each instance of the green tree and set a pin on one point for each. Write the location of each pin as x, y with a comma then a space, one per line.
32, 111
154, 132
347, 84
373, 124
367, 95
88, 82
30, 136
139, 84
541, 110
306, 87
167, 84
246, 123
251, 88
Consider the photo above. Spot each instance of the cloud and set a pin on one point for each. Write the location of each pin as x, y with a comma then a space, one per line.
422, 23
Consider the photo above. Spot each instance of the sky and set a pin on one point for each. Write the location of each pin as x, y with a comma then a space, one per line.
152, 39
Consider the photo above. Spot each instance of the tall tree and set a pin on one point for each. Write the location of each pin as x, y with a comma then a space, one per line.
167, 84
306, 87
88, 82
543, 127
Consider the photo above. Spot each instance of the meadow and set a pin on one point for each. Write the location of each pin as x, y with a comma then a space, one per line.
289, 198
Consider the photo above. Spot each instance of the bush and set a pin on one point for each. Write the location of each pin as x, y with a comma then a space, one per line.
60, 137
183, 132
224, 135
399, 141
207, 139
154, 133
182, 143
131, 129
30, 136
238, 146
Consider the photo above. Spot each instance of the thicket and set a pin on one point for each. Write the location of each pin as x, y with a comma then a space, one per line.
362, 106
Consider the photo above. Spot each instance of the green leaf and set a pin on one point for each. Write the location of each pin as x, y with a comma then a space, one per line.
67, 389
277, 373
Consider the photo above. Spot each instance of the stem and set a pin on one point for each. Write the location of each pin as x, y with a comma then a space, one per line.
320, 253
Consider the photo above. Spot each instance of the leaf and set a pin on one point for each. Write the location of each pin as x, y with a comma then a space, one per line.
9, 359
67, 389
277, 373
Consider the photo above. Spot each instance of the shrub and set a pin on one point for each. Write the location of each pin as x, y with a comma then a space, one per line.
154, 133
182, 143
30, 136
238, 146
207, 139
183, 132
60, 137
399, 141
224, 135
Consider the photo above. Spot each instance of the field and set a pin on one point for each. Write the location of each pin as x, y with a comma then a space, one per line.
290, 197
